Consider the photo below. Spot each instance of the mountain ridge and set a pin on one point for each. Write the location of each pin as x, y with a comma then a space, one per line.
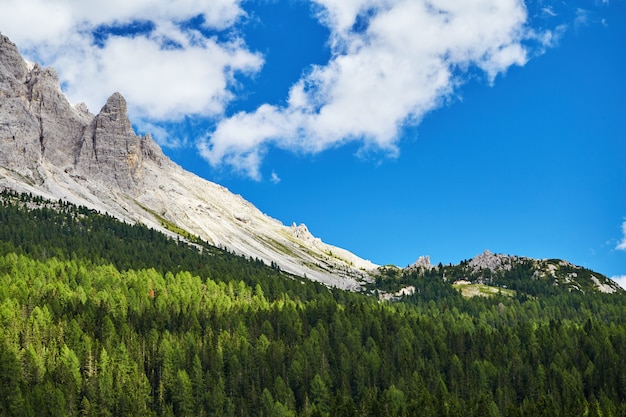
490, 273
492, 268
59, 151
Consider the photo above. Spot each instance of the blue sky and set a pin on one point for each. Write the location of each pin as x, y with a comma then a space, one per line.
393, 129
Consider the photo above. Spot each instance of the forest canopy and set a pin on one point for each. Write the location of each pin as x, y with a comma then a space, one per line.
102, 318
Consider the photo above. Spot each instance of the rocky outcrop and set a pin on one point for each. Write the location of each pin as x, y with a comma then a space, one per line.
492, 261
38, 124
422, 262
485, 268
20, 135
111, 152
302, 232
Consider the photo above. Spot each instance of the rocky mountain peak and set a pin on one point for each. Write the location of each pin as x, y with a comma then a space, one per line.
491, 261
115, 111
38, 125
112, 152
12, 65
115, 102
302, 232
58, 151
422, 262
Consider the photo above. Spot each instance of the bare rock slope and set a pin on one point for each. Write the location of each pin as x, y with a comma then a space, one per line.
50, 148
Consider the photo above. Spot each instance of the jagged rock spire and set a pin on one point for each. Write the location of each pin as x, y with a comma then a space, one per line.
112, 152
12, 65
38, 125
114, 116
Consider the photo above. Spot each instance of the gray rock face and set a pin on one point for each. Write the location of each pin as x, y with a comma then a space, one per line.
12, 66
111, 152
38, 124
491, 261
60, 125
20, 148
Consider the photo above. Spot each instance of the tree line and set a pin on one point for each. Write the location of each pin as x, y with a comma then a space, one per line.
82, 333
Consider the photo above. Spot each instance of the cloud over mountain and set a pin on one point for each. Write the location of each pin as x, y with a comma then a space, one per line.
392, 62
166, 67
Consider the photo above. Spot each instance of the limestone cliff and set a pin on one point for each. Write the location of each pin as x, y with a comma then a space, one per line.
38, 125
109, 150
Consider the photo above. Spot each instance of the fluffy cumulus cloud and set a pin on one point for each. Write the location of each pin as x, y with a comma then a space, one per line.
392, 62
142, 48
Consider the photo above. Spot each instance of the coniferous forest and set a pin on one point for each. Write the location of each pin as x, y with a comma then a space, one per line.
102, 318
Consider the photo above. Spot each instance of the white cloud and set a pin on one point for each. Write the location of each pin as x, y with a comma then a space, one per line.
622, 244
275, 178
548, 11
159, 80
32, 22
407, 57
392, 62
159, 83
621, 280
582, 17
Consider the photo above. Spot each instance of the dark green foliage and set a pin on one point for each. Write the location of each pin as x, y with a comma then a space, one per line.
91, 332
11, 401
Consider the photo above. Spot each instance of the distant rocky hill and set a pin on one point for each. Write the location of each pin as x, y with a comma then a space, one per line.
50, 148
525, 275
503, 270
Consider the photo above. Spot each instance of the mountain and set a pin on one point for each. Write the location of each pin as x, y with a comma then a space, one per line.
499, 269
58, 151
489, 274
53, 149
106, 318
